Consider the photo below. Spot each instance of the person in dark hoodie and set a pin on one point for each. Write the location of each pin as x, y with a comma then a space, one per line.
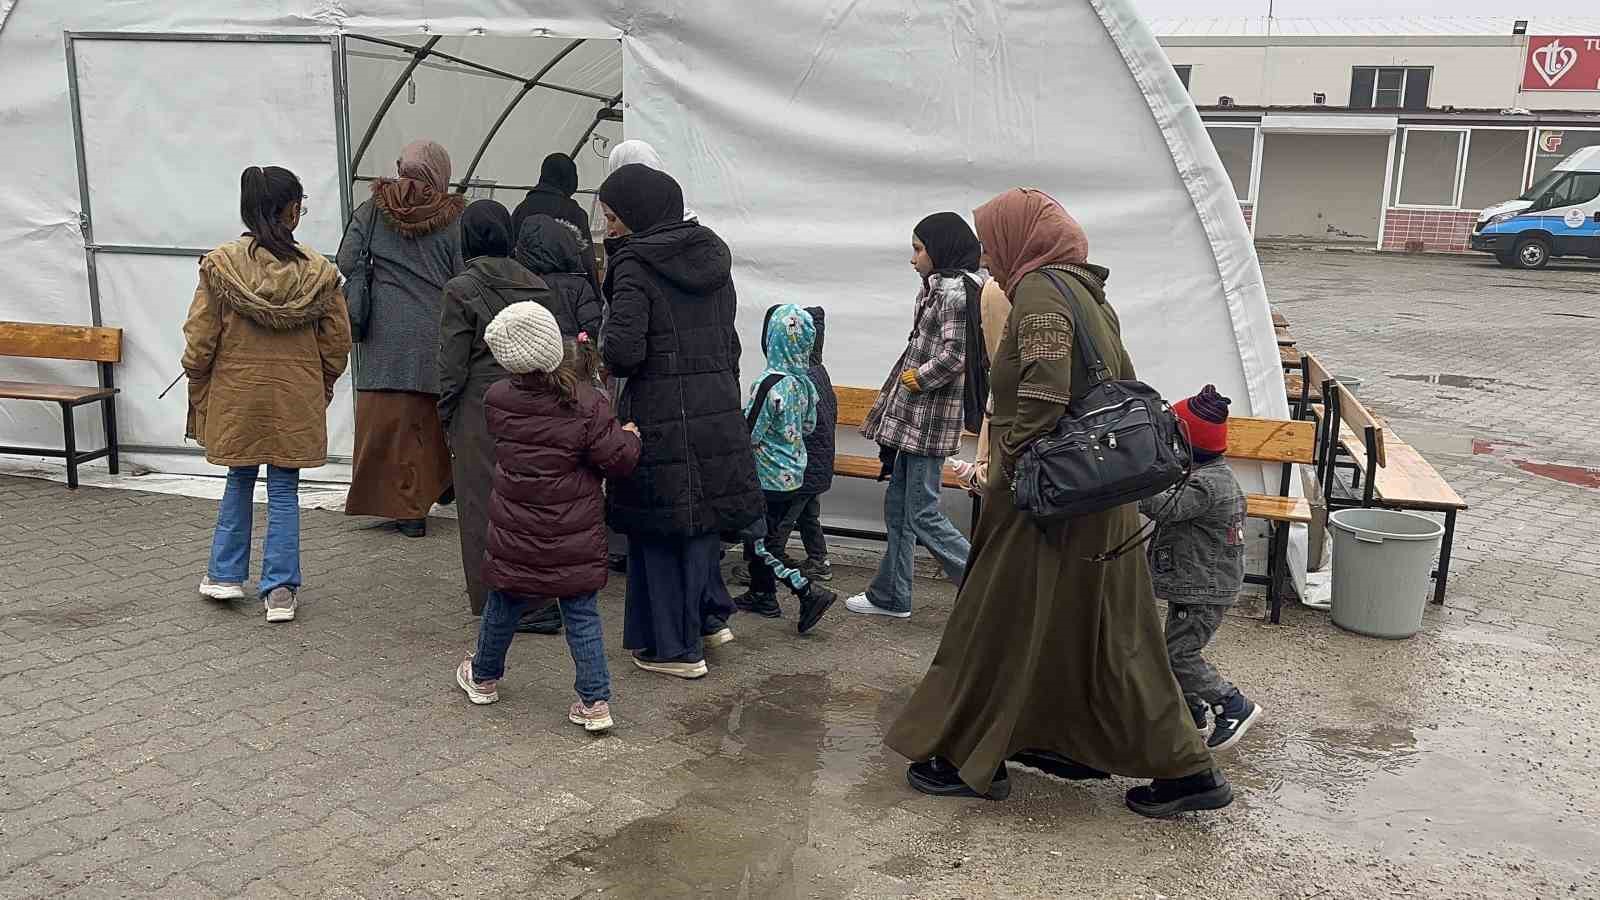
671, 334
552, 196
267, 337
805, 512
548, 249
490, 283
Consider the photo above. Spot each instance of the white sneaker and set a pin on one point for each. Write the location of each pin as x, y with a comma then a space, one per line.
860, 604
221, 590
280, 605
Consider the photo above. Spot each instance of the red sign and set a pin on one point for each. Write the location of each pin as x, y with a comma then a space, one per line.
1566, 63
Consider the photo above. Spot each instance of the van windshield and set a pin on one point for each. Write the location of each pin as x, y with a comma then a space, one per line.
1542, 187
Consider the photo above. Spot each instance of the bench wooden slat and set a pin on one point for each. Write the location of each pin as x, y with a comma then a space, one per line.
78, 342
1359, 418
1291, 387
53, 393
1271, 440
1289, 356
1278, 509
1279, 320
1316, 371
868, 467
854, 404
1408, 480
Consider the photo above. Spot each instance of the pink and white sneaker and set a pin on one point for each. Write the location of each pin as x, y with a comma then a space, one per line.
479, 692
593, 718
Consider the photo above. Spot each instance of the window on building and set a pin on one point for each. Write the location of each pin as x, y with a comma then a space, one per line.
1552, 145
1183, 74
1237, 147
1496, 159
1389, 87
1430, 163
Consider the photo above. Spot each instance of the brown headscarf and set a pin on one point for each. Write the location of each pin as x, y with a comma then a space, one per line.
419, 202
1025, 229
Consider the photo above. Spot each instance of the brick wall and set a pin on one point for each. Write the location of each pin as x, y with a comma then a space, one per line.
1438, 230
1249, 211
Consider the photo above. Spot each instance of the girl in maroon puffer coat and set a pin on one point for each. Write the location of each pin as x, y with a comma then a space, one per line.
556, 439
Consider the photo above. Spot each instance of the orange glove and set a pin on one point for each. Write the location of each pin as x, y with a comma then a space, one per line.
909, 379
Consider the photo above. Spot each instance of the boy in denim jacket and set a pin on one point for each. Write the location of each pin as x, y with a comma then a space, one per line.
1197, 567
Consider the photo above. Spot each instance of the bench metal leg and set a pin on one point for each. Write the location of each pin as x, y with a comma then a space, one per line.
108, 408
1277, 566
72, 446
1442, 577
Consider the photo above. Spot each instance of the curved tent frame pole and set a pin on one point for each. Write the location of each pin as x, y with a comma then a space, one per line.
418, 54
527, 88
588, 132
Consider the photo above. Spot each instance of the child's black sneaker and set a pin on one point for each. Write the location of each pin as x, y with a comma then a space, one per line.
817, 570
761, 604
1199, 711
813, 603
1234, 716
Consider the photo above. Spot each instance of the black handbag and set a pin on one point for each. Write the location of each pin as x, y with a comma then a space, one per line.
1117, 444
358, 293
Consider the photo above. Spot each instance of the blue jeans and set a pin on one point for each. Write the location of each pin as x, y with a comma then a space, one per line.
581, 614
230, 545
911, 515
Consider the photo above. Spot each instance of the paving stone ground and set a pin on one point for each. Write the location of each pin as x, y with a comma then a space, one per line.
155, 744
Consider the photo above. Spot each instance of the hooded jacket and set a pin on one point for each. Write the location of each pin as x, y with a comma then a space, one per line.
821, 442
547, 535
547, 248
788, 413
265, 341
671, 334
471, 301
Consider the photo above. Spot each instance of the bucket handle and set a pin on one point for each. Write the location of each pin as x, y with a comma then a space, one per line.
1366, 539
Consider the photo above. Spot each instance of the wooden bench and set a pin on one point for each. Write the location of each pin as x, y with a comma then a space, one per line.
854, 404
1387, 473
103, 346
1289, 442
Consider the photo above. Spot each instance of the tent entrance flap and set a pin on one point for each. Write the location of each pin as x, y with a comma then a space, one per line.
163, 125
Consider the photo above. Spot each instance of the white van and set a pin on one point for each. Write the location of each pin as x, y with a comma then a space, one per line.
1558, 216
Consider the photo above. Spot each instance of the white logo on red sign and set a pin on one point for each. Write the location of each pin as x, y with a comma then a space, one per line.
1553, 61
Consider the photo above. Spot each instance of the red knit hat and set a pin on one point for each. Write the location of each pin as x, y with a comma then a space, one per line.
1206, 415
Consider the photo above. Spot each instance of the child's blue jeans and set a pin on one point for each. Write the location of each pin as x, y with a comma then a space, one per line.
230, 544
581, 614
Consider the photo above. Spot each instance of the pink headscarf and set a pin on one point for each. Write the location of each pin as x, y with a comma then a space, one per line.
427, 162
1025, 229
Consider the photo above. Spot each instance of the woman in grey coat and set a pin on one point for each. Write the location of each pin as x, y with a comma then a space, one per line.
410, 232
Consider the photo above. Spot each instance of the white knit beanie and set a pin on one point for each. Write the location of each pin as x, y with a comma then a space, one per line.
525, 338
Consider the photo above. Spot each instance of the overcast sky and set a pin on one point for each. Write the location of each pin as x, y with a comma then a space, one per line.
1522, 9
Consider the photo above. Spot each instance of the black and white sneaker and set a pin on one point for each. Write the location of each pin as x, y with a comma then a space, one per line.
1234, 716
764, 605
1199, 711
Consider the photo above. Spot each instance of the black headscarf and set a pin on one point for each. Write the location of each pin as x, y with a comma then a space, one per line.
559, 172
642, 197
950, 243
485, 230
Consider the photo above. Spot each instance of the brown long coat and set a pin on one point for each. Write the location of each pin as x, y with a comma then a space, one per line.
265, 341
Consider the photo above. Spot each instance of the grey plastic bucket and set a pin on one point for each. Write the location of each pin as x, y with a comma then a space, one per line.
1382, 563
1351, 383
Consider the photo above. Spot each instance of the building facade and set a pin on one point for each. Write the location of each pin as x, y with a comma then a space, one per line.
1391, 133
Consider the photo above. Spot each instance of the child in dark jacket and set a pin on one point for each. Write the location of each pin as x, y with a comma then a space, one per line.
805, 512
781, 412
1197, 567
555, 440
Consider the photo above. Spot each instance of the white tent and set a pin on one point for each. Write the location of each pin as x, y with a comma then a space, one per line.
811, 135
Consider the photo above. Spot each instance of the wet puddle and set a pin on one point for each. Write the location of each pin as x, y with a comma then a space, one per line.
1470, 382
1581, 476
1433, 795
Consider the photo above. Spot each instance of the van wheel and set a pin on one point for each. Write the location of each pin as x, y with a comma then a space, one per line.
1533, 253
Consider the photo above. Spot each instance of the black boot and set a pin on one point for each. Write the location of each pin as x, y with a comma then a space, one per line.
1057, 765
813, 603
412, 528
941, 779
544, 620
1169, 796
765, 605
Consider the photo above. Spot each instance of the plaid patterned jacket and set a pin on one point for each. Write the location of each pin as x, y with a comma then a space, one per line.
929, 422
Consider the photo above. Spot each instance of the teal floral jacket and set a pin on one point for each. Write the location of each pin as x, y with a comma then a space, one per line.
789, 412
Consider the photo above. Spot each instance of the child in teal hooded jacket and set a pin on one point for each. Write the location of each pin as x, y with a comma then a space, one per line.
781, 411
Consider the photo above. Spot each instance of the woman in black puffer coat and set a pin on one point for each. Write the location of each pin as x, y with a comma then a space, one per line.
671, 334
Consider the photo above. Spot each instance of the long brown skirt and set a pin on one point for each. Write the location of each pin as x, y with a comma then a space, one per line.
401, 464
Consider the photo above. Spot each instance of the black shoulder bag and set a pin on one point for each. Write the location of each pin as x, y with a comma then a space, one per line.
366, 264
1117, 444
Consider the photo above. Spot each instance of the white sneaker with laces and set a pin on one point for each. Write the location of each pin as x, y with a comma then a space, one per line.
280, 605
221, 590
860, 604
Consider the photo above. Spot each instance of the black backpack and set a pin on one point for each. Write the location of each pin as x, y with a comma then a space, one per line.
1117, 444
975, 377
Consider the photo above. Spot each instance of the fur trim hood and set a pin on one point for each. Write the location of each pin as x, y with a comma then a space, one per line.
268, 291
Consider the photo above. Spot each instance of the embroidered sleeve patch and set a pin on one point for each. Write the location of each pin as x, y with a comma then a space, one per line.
1040, 392
1044, 336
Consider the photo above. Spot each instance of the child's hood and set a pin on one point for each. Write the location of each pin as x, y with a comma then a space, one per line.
789, 337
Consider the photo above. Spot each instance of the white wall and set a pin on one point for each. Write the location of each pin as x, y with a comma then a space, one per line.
1469, 75
1326, 187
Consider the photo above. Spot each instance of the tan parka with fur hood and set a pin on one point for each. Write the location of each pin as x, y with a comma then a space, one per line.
265, 341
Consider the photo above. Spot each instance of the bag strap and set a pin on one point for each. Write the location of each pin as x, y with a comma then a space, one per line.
1162, 517
1082, 343
760, 400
